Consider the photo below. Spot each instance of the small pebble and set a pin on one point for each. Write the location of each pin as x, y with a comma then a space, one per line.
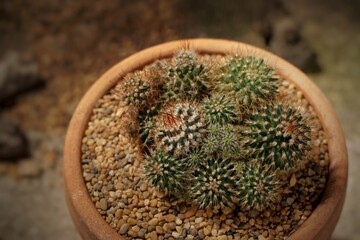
124, 228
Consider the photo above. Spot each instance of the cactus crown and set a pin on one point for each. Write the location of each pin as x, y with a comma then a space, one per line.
220, 109
214, 183
216, 135
258, 186
165, 172
186, 78
249, 81
180, 128
276, 136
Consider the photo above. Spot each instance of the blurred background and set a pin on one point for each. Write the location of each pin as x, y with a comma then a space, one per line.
51, 51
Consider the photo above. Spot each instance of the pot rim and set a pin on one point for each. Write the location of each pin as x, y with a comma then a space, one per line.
89, 222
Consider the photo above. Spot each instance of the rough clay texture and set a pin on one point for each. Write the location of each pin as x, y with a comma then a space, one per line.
73, 47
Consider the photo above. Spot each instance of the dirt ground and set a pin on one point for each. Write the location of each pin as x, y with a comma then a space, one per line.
74, 42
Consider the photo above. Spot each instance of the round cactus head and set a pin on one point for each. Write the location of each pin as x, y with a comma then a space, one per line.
166, 173
214, 184
250, 81
180, 128
258, 186
186, 79
184, 59
222, 141
278, 136
220, 109
137, 90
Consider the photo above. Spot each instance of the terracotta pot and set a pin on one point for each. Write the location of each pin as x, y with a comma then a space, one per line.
322, 221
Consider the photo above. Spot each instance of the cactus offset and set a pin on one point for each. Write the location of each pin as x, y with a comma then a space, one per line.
219, 109
166, 173
222, 141
180, 128
137, 90
258, 186
186, 79
214, 184
277, 136
249, 81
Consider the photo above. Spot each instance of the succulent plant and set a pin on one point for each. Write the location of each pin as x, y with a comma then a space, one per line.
220, 109
137, 90
194, 158
166, 173
214, 184
222, 141
216, 140
278, 136
249, 81
185, 78
147, 124
180, 128
258, 186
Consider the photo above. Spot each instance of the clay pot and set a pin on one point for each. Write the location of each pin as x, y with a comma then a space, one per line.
322, 221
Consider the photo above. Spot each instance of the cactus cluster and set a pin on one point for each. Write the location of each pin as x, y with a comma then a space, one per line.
216, 134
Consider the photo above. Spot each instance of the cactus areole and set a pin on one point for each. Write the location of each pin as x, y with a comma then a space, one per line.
218, 126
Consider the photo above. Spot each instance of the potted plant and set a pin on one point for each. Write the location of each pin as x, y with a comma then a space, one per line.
204, 139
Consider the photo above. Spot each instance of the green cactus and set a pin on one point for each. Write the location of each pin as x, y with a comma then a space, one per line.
185, 78
249, 81
219, 109
166, 173
194, 158
147, 124
214, 184
222, 141
258, 186
180, 128
138, 91
277, 136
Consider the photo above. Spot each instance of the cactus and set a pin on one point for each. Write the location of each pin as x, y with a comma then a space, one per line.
137, 90
258, 186
250, 81
219, 109
147, 124
180, 128
222, 141
166, 173
214, 184
216, 135
277, 136
185, 79
194, 158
